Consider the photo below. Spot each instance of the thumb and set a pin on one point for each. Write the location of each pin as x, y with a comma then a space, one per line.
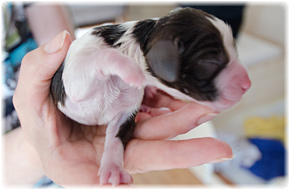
39, 66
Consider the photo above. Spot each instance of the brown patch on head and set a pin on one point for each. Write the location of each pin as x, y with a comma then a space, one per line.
198, 57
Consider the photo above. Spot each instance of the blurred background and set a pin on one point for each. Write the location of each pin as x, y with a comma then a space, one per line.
256, 127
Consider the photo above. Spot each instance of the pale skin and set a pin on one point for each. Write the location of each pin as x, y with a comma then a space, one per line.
70, 154
46, 20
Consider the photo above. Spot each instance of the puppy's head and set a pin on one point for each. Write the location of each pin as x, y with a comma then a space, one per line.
194, 53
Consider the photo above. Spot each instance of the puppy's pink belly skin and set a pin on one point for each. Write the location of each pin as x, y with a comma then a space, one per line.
87, 116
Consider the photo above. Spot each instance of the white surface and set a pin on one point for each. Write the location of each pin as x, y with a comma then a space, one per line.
81, 31
267, 20
242, 177
84, 14
204, 130
254, 50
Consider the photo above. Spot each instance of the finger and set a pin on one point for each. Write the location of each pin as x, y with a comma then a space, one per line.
142, 116
144, 156
172, 124
159, 111
38, 67
161, 99
151, 112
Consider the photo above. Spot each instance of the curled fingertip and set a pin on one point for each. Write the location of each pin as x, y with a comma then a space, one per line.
206, 118
222, 159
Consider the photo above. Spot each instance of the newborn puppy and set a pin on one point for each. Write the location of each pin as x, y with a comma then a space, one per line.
188, 53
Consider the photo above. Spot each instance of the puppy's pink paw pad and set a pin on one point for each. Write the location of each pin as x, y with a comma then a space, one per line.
150, 91
115, 176
135, 79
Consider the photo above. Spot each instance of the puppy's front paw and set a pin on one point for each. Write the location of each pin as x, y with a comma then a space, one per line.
114, 176
114, 62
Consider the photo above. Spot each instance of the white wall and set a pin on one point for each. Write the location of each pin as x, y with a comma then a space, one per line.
265, 48
266, 21
145, 11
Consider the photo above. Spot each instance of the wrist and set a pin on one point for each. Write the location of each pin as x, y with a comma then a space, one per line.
22, 165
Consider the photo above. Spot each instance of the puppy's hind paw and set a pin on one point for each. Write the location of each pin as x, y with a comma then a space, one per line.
114, 176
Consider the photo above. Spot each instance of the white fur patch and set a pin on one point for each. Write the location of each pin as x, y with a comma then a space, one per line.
226, 33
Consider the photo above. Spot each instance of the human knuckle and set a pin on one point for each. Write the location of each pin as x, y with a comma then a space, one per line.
210, 139
176, 131
28, 63
26, 59
17, 100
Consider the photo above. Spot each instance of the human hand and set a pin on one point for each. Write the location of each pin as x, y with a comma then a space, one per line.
70, 153
167, 118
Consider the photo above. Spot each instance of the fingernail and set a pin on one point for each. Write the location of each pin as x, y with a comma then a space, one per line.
56, 43
222, 160
206, 118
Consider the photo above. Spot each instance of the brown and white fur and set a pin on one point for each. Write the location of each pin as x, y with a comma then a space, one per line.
189, 54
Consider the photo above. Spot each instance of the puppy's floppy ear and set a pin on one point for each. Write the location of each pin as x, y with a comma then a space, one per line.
163, 58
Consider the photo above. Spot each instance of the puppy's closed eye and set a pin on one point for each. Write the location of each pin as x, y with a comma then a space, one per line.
206, 69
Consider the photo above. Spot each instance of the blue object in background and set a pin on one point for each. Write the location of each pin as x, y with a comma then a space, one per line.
45, 182
272, 163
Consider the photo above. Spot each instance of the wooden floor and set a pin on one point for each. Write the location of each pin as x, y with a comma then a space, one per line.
169, 177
